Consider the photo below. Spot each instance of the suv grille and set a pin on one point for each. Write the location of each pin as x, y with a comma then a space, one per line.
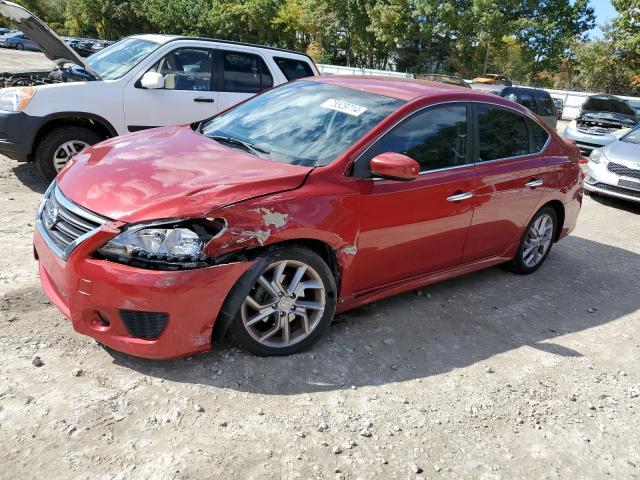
64, 222
623, 170
147, 325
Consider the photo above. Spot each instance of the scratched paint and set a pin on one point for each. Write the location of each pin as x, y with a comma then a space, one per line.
269, 217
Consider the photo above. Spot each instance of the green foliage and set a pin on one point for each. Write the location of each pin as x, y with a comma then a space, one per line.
530, 41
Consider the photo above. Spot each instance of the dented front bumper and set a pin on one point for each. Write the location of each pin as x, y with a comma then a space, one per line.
93, 293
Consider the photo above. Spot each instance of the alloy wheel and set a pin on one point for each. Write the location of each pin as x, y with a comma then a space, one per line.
538, 241
65, 151
285, 305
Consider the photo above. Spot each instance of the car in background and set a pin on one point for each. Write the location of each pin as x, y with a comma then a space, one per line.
269, 218
600, 117
493, 79
536, 100
559, 103
4, 31
82, 47
448, 79
19, 41
614, 170
140, 82
635, 105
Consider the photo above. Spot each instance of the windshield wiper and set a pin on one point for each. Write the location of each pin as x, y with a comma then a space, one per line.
241, 143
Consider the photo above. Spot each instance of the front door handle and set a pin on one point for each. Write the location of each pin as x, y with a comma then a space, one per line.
533, 183
204, 100
460, 196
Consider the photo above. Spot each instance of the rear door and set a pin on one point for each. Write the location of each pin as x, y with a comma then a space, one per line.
240, 75
510, 176
187, 95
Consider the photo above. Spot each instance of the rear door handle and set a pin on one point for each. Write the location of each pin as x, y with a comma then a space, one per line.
204, 100
534, 183
460, 196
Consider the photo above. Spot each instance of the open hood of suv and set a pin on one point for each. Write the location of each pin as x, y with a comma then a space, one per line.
49, 42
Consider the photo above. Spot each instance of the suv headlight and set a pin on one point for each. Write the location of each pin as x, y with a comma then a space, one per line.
175, 246
15, 99
597, 156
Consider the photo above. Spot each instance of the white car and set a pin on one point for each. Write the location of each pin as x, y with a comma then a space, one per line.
140, 82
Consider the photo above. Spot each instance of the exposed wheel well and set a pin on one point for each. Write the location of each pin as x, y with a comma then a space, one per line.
103, 129
558, 207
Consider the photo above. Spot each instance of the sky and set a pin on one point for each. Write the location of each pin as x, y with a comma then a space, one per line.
604, 13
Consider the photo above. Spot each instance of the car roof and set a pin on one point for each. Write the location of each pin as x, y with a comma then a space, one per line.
402, 88
163, 39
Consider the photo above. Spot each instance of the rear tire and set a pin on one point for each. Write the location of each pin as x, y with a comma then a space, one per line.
536, 242
59, 146
290, 305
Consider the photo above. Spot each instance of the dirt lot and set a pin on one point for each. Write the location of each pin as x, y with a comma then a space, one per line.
490, 376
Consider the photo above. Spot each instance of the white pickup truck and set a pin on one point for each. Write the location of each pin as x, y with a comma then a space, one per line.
140, 82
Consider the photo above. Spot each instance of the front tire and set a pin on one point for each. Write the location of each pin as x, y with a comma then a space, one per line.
19, 46
289, 306
536, 242
59, 146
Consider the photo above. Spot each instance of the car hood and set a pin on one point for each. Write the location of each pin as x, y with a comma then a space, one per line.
170, 172
625, 152
609, 117
49, 42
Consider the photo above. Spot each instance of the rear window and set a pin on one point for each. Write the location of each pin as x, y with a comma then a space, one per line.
294, 69
594, 104
545, 105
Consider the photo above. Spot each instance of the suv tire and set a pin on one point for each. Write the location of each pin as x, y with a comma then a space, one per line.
49, 147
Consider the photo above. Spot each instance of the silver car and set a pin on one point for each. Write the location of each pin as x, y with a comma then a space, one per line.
601, 117
614, 170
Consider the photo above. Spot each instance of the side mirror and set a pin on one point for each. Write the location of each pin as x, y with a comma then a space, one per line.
394, 166
152, 80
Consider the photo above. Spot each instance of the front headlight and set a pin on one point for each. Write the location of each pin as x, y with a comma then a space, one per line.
175, 246
597, 156
15, 99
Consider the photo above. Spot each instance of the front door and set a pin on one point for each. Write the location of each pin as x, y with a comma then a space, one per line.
416, 227
187, 95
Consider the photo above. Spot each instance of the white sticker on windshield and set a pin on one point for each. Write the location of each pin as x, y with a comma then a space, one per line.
344, 107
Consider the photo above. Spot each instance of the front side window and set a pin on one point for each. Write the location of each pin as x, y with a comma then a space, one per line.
245, 73
293, 69
304, 122
502, 133
186, 69
118, 59
435, 138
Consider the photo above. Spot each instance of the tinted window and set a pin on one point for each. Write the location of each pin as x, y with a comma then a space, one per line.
186, 69
304, 123
435, 138
528, 101
502, 133
294, 69
539, 136
245, 73
545, 105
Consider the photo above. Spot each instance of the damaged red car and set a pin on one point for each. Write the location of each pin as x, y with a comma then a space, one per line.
310, 199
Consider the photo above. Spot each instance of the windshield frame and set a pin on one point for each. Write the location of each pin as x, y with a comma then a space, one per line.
132, 66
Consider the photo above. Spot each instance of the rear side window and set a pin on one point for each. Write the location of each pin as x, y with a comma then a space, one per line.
293, 69
435, 138
244, 73
539, 136
502, 133
528, 100
545, 105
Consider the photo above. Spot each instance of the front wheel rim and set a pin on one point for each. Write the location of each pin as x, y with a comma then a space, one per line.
285, 305
65, 151
538, 240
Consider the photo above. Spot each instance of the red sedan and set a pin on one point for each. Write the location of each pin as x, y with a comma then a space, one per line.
313, 198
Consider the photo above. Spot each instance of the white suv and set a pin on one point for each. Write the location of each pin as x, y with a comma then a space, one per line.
140, 82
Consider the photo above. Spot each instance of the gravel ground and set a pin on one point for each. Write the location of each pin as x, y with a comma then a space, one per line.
489, 376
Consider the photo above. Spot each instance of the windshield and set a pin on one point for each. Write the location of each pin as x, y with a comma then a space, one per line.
633, 136
607, 105
303, 123
116, 60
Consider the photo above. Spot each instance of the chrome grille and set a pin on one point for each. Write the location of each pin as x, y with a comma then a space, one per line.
623, 170
63, 224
